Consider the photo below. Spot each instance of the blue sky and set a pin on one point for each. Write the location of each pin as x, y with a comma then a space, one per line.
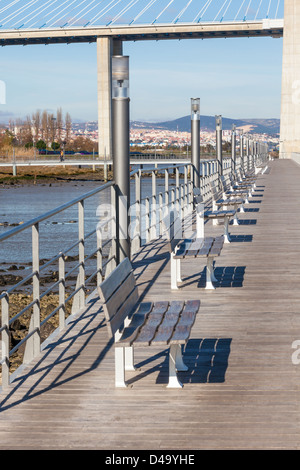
237, 78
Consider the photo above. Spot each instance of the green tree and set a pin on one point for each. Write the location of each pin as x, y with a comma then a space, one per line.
40, 145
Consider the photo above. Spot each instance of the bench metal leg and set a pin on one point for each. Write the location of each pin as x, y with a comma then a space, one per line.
175, 277
129, 358
226, 232
175, 363
120, 367
210, 278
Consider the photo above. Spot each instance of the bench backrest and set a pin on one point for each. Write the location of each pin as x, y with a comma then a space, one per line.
119, 294
214, 190
172, 229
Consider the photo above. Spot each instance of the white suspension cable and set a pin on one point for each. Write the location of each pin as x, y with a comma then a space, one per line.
55, 16
269, 9
239, 10
277, 9
122, 12
258, 10
77, 16
31, 13
171, 1
182, 12
10, 5
229, 3
46, 7
18, 12
220, 10
105, 10
246, 13
199, 14
144, 10
77, 6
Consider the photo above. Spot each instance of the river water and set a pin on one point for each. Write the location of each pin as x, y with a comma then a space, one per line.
20, 203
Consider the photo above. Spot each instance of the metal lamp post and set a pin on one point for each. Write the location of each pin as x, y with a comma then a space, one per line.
195, 140
120, 147
233, 149
241, 152
219, 146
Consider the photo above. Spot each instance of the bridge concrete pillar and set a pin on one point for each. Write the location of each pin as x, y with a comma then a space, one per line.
106, 48
290, 89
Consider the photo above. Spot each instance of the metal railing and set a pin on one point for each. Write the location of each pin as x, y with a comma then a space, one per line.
147, 212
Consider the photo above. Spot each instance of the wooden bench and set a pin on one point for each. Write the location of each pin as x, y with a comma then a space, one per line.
230, 190
203, 214
135, 324
180, 249
219, 201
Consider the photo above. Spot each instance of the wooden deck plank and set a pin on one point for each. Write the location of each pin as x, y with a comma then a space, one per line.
241, 390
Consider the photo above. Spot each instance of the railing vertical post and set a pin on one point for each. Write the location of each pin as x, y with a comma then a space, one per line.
219, 147
161, 213
99, 258
185, 187
5, 341
167, 188
177, 189
153, 207
138, 206
241, 152
247, 154
233, 149
62, 291
81, 252
114, 232
36, 340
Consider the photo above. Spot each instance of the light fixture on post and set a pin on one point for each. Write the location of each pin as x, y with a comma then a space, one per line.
120, 147
195, 140
219, 147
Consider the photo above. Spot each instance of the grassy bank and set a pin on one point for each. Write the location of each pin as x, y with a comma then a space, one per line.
36, 175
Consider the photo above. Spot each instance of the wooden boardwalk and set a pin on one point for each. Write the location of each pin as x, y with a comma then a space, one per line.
242, 388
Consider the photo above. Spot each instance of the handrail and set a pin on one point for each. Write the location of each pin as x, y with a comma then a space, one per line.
53, 212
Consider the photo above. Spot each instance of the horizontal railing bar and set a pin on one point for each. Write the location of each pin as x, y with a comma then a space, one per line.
73, 269
107, 261
53, 212
109, 240
93, 275
51, 315
55, 258
22, 311
73, 293
12, 351
29, 276
92, 254
50, 288
147, 170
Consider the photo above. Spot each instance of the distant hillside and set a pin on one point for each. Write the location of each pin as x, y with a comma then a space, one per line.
183, 124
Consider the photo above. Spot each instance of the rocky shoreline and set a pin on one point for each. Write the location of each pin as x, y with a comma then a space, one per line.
10, 275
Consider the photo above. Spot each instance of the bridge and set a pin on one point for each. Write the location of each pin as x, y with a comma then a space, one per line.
110, 23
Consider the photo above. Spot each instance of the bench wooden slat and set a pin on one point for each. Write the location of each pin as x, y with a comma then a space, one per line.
219, 214
191, 306
186, 321
125, 309
148, 330
217, 246
183, 248
166, 328
130, 333
115, 279
119, 296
